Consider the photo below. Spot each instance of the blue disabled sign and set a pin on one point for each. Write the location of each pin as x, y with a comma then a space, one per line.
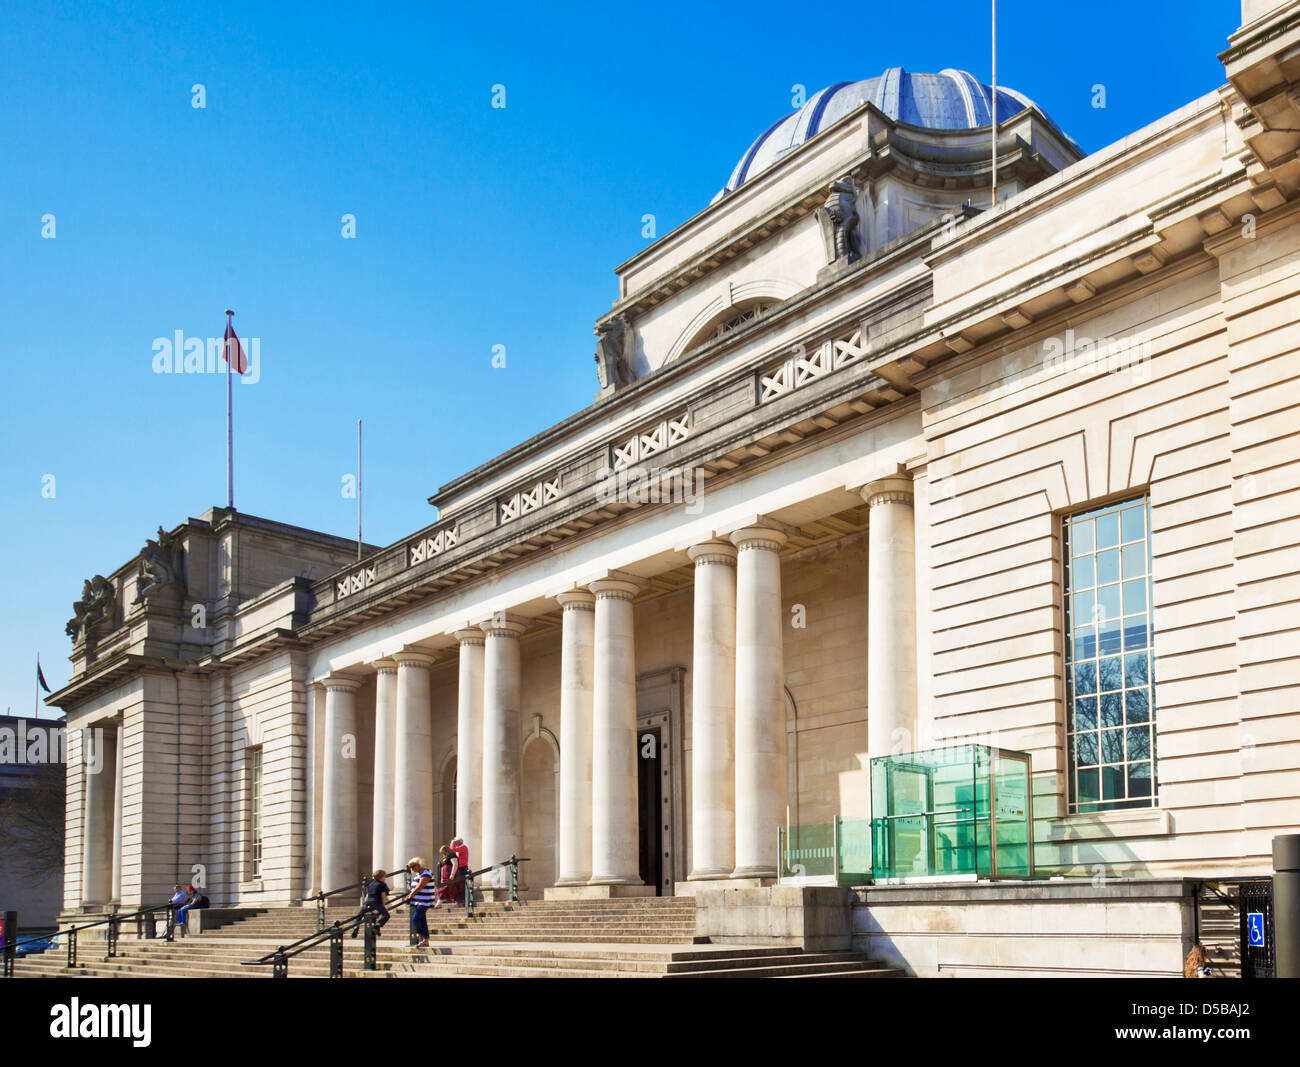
1255, 926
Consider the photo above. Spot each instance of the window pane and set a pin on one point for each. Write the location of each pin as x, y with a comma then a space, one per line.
1108, 602
1085, 713
1108, 633
1138, 740
1111, 675
1112, 709
1135, 596
1088, 787
1085, 749
1108, 566
1112, 746
1136, 708
1135, 633
1135, 670
1084, 574
1107, 530
1112, 783
1081, 537
1139, 780
1134, 522
1083, 608
1135, 560
1085, 642
1085, 678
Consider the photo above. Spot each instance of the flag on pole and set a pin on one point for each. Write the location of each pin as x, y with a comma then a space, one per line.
40, 676
232, 351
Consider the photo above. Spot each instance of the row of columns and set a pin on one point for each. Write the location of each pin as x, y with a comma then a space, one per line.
738, 759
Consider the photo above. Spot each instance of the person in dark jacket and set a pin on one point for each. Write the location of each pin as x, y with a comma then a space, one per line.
376, 899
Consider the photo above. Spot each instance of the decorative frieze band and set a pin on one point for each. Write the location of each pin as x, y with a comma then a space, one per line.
530, 499
354, 583
428, 547
651, 440
799, 369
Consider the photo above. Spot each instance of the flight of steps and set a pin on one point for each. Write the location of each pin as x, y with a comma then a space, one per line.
636, 938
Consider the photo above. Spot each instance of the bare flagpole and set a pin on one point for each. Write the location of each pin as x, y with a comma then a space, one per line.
358, 488
230, 422
995, 103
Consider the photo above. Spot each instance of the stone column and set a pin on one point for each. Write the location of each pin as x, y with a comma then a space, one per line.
615, 835
339, 828
315, 724
413, 763
502, 837
577, 679
891, 617
760, 701
100, 768
713, 712
469, 741
381, 838
119, 775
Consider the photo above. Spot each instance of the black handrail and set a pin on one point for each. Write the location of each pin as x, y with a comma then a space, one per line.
279, 959
320, 898
112, 921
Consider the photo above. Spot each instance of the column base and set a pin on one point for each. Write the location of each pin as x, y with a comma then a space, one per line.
597, 892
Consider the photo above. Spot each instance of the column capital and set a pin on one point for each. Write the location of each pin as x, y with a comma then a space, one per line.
896, 488
341, 682
385, 665
471, 635
718, 551
765, 537
576, 600
414, 659
614, 589
504, 624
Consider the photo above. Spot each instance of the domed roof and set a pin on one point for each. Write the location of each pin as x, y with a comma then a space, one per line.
949, 100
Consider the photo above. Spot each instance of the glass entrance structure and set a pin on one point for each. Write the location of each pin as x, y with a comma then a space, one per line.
952, 813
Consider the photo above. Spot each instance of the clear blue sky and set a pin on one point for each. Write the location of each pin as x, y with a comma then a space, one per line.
475, 227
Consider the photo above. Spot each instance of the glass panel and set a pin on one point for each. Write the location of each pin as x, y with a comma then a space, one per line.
855, 851
1108, 633
1112, 709
1014, 818
1107, 566
1083, 607
1088, 791
1135, 560
1081, 537
1112, 746
1084, 573
1108, 603
1134, 522
1085, 642
1085, 678
807, 851
1135, 670
1112, 783
1135, 633
1107, 530
1139, 743
1085, 713
1135, 596
1112, 676
1085, 749
1139, 780
1136, 708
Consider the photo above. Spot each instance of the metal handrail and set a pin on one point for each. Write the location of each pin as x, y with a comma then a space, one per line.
112, 921
279, 959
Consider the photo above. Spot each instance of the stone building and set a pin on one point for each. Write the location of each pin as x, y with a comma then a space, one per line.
877, 465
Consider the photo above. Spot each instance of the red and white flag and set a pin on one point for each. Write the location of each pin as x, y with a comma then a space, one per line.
232, 351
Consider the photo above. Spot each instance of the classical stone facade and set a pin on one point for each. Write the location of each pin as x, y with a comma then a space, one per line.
848, 489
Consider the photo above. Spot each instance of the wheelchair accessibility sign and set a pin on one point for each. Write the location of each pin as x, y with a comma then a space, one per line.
1255, 927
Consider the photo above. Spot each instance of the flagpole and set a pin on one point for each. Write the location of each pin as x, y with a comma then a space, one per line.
230, 424
995, 103
358, 488
36, 704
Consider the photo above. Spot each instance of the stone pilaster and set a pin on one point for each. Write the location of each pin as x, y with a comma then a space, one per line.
97, 844
339, 862
891, 616
119, 776
384, 802
413, 764
577, 689
760, 701
615, 839
713, 712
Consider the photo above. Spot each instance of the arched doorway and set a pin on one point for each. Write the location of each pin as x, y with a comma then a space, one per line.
540, 802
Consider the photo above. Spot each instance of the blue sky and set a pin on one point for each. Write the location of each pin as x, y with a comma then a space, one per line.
475, 226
